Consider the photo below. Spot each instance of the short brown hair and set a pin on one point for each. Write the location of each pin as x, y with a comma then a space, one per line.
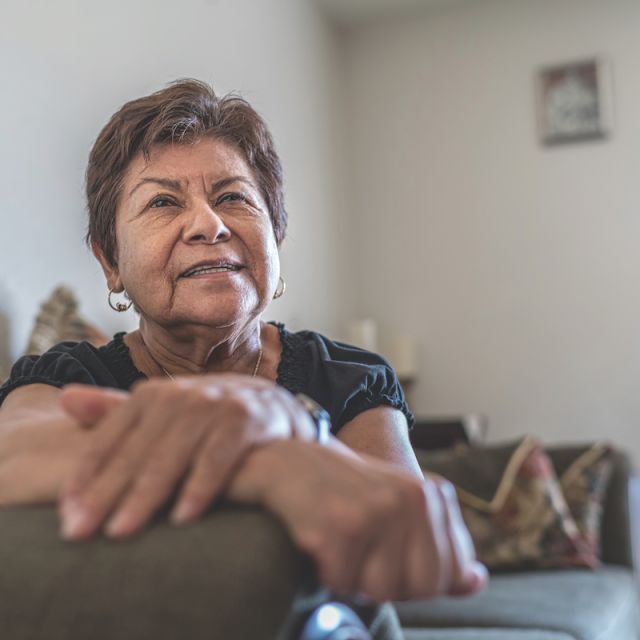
183, 112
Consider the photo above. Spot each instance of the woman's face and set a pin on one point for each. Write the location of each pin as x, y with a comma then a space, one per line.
195, 244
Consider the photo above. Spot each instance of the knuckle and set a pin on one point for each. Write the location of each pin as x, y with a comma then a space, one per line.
311, 542
414, 492
353, 524
447, 489
150, 481
194, 399
388, 501
240, 406
236, 405
146, 388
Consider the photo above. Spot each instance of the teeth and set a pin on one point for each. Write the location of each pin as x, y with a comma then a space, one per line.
200, 270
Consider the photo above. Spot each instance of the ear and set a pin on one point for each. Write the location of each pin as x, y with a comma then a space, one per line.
110, 271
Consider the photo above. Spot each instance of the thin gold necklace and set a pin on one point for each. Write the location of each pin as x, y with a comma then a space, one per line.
166, 373
253, 375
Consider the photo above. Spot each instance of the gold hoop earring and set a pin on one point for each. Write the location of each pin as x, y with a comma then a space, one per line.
280, 292
120, 307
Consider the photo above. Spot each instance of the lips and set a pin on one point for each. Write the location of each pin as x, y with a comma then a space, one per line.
212, 266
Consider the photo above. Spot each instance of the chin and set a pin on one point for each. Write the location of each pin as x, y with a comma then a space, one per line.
211, 315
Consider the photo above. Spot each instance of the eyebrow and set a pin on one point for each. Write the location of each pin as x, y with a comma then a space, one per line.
176, 185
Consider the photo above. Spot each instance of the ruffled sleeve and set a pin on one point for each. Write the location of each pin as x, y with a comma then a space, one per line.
64, 363
344, 379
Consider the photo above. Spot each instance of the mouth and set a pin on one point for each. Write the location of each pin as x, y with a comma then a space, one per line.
212, 268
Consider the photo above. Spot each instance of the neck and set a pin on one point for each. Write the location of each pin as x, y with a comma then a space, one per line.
204, 350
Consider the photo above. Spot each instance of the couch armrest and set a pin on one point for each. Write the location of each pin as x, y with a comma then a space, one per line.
233, 574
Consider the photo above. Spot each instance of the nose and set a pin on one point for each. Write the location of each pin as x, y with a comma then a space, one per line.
205, 225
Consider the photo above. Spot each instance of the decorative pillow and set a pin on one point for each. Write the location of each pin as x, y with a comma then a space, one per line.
584, 485
59, 320
513, 504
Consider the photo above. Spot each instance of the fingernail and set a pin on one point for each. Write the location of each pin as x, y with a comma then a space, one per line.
183, 512
119, 524
74, 520
481, 575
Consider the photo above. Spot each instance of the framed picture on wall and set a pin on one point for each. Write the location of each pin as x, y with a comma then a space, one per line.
575, 101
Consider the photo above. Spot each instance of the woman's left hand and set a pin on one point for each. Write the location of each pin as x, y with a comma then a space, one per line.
194, 428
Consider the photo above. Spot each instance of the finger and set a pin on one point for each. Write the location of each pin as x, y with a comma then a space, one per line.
340, 559
383, 577
429, 557
162, 472
89, 404
147, 427
114, 428
213, 467
468, 574
84, 501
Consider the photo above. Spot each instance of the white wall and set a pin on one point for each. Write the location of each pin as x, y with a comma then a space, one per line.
516, 266
66, 66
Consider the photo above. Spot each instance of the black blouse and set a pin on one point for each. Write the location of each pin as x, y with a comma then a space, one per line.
343, 379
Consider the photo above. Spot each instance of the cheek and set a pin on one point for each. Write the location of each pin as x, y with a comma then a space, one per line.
141, 259
272, 261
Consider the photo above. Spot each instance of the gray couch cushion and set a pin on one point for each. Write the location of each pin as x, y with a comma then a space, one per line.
587, 605
474, 633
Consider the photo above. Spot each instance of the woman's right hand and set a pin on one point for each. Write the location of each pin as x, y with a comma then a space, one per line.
370, 527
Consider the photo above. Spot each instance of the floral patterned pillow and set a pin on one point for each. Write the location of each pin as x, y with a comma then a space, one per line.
515, 507
584, 485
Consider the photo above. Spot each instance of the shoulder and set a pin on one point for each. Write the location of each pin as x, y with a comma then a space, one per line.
69, 362
341, 352
345, 379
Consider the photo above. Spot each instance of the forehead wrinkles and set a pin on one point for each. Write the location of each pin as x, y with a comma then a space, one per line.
204, 163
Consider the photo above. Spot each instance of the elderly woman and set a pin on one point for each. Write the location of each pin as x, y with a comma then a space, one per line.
205, 400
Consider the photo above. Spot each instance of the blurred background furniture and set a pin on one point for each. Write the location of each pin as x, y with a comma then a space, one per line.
560, 604
438, 432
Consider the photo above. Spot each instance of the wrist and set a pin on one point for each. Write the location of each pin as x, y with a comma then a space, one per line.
261, 471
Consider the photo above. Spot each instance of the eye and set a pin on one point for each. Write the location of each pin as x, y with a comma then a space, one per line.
233, 196
161, 201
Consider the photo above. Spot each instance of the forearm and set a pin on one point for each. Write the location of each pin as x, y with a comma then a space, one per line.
37, 456
269, 465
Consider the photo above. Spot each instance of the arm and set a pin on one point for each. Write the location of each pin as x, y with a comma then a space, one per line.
380, 530
38, 442
370, 526
381, 433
